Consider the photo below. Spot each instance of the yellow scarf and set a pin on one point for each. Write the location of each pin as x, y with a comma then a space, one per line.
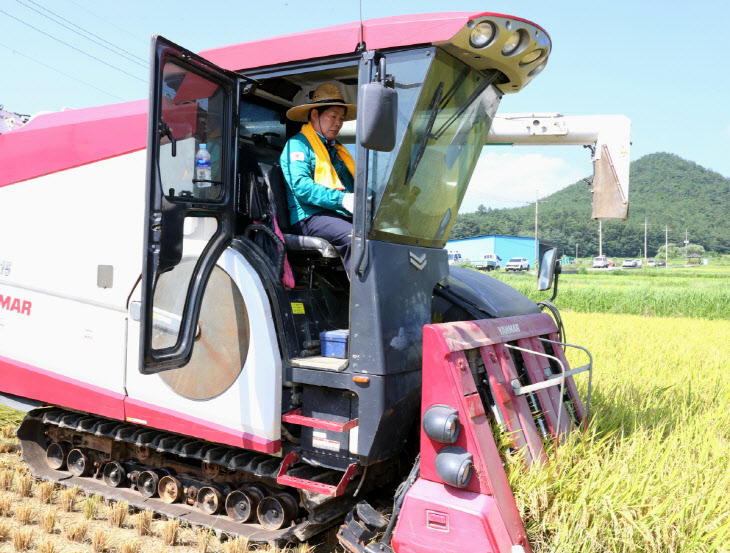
324, 171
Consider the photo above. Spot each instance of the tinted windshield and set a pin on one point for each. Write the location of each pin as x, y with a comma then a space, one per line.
515, 260
419, 186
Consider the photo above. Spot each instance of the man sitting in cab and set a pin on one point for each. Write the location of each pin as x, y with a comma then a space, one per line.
320, 172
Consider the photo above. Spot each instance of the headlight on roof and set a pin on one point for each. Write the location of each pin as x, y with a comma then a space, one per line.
482, 34
531, 57
512, 43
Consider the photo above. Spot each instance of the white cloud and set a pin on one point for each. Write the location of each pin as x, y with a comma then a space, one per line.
511, 179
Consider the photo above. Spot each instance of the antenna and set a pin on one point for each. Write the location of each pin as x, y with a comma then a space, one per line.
361, 45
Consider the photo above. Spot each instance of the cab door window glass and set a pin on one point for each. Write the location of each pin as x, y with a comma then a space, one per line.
192, 112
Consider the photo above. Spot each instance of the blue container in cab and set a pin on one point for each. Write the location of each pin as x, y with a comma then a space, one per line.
334, 343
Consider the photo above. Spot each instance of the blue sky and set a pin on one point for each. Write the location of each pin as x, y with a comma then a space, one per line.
664, 65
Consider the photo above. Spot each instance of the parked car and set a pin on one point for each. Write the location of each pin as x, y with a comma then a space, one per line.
517, 264
454, 257
638, 263
651, 263
600, 262
628, 263
488, 262
661, 264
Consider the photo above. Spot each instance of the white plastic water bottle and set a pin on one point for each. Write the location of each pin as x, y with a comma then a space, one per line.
202, 167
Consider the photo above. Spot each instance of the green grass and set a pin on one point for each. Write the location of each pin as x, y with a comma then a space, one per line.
10, 416
650, 475
693, 292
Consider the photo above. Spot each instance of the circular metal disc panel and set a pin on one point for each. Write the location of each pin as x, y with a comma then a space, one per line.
221, 346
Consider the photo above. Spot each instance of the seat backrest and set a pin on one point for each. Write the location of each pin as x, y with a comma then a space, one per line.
278, 187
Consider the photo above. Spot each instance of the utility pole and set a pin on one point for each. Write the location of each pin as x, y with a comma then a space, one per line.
645, 225
576, 253
686, 243
537, 193
600, 238
666, 245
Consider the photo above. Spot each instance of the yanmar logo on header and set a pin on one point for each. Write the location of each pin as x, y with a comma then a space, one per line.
508, 329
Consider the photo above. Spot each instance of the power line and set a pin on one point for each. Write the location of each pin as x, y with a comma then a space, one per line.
72, 47
132, 58
125, 31
15, 51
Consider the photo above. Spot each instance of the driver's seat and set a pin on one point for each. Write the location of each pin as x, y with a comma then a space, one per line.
293, 242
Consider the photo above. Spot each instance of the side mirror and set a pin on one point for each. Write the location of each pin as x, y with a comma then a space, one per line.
378, 110
547, 269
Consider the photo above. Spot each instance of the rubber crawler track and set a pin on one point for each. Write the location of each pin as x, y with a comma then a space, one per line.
323, 511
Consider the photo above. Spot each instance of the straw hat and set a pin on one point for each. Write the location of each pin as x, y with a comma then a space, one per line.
327, 94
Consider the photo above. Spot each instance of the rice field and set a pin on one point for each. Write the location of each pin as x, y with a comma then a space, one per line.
650, 474
697, 293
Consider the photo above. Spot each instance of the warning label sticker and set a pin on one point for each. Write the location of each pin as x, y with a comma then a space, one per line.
297, 308
320, 440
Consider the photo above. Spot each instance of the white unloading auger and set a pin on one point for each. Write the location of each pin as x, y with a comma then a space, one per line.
608, 137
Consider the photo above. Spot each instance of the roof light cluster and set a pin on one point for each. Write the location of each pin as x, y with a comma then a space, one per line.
517, 48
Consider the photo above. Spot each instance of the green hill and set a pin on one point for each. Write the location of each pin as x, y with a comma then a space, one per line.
665, 189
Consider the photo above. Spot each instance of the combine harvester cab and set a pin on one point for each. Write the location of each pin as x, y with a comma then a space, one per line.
168, 358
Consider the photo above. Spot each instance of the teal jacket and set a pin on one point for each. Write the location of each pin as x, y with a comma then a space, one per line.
305, 197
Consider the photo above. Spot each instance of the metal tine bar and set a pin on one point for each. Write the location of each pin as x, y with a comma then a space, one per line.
561, 377
590, 372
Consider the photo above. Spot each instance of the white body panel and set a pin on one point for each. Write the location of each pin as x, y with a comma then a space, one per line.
253, 403
64, 225
55, 232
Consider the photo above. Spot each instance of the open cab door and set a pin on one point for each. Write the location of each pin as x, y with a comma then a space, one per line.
190, 212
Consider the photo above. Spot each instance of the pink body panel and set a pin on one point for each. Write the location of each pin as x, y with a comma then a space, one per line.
31, 382
59, 141
387, 32
439, 519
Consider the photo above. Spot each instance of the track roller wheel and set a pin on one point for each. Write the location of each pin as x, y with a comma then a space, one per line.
170, 489
277, 511
210, 470
56, 455
78, 463
210, 500
114, 474
147, 483
241, 504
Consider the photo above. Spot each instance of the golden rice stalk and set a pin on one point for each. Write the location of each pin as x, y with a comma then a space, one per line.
129, 547
47, 546
24, 485
25, 514
6, 505
48, 520
77, 532
68, 498
4, 530
117, 513
22, 538
91, 505
6, 446
143, 523
171, 531
7, 431
203, 537
44, 491
236, 545
6, 479
101, 541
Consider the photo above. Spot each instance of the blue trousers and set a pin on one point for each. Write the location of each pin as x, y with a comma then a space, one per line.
333, 227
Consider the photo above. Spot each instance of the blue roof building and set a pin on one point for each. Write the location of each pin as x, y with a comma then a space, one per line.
505, 247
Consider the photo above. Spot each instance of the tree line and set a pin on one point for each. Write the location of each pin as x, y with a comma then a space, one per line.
666, 190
